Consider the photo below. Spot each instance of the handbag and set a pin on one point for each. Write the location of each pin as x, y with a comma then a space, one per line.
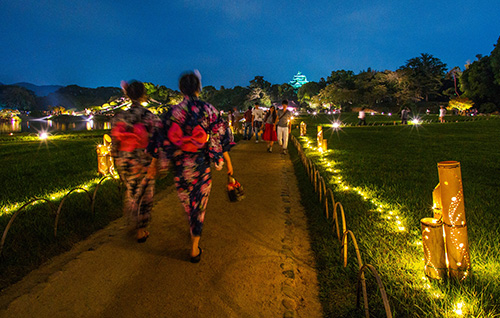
234, 189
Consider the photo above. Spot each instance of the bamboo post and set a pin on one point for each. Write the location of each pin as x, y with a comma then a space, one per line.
325, 145
437, 206
455, 225
320, 136
434, 250
105, 161
303, 128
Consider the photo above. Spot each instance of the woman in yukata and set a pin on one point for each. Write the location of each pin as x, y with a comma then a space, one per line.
194, 136
133, 149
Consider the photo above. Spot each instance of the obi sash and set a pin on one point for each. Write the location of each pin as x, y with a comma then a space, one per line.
188, 143
129, 141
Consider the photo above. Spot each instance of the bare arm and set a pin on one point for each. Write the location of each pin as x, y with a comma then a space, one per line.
228, 161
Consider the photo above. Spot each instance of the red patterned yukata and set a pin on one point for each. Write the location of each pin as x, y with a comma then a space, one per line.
133, 150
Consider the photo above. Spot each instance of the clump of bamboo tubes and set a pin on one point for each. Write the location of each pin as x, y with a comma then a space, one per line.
444, 237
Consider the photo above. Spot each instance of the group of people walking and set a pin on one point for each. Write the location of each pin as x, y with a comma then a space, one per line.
188, 138
272, 125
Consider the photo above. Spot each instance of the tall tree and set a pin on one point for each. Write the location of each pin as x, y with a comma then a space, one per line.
160, 93
260, 82
495, 62
478, 83
426, 73
342, 78
370, 88
286, 91
307, 91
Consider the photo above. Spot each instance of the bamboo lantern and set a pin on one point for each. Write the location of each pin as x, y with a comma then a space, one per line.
104, 161
434, 250
324, 147
303, 128
455, 225
436, 200
320, 136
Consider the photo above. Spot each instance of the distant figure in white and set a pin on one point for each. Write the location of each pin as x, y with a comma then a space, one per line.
283, 126
442, 112
361, 116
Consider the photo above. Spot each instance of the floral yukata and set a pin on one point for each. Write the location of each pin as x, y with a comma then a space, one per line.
194, 137
132, 131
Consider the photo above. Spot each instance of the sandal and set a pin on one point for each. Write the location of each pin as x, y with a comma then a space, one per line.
144, 238
197, 258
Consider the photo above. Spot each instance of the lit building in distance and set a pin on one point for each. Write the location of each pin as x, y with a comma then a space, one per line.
298, 80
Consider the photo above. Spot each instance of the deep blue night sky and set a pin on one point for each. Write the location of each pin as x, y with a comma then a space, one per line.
100, 42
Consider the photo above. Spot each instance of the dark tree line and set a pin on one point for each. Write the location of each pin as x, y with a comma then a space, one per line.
481, 81
69, 97
422, 81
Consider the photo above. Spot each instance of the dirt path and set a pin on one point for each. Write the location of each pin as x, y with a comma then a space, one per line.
256, 262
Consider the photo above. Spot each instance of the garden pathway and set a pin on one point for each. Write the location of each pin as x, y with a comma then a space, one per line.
256, 262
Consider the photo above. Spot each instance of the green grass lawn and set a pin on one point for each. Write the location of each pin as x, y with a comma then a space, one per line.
33, 168
396, 168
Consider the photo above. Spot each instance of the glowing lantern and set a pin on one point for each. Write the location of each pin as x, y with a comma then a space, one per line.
105, 163
449, 205
320, 136
434, 250
455, 226
43, 136
303, 128
324, 146
436, 200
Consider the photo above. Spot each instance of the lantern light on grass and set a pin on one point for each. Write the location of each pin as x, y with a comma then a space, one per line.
336, 125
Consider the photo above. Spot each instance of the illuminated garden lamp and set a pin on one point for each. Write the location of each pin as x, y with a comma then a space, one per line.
43, 136
416, 121
105, 163
320, 136
448, 207
434, 249
303, 128
437, 206
455, 225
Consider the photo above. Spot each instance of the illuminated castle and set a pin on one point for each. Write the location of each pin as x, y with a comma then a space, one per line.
298, 80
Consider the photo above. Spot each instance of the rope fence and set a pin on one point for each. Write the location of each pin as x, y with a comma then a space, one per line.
327, 200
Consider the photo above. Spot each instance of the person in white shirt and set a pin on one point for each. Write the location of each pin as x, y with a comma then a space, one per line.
283, 126
257, 117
